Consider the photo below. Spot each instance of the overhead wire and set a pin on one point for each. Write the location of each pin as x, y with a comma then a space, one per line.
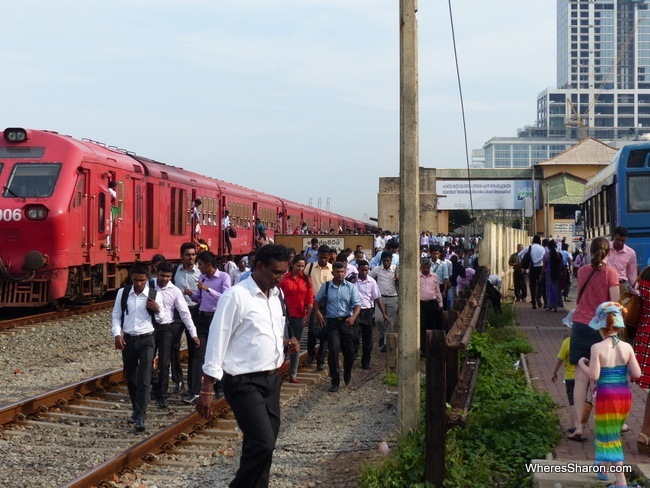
462, 109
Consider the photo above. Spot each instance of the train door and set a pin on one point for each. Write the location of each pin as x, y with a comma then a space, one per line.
81, 198
254, 224
138, 200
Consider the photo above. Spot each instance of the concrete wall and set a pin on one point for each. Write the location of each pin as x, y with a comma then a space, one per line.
388, 202
498, 244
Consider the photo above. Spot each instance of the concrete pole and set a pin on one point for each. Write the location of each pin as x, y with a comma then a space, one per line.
409, 210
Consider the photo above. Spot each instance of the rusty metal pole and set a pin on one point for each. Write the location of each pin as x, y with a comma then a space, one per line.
409, 211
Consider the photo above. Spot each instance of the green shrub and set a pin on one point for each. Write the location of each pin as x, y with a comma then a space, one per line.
509, 425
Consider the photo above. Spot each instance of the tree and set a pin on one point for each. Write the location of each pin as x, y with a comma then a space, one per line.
459, 218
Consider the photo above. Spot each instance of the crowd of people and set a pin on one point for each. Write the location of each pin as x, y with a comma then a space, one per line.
238, 336
597, 356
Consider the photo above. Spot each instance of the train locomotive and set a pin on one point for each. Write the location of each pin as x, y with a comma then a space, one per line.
65, 236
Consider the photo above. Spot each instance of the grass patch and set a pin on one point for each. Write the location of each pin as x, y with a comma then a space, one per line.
508, 426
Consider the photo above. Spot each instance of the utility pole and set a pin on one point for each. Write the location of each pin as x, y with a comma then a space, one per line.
409, 209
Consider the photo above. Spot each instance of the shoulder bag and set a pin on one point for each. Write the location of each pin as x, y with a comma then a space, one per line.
320, 331
632, 303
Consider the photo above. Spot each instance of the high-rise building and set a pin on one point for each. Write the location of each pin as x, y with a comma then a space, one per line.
603, 81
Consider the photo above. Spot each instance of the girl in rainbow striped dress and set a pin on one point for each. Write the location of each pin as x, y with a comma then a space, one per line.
611, 362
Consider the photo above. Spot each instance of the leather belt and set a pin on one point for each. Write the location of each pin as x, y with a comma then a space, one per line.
389, 296
206, 314
138, 336
271, 372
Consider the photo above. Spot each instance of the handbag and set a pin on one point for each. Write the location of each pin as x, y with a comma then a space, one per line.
232, 232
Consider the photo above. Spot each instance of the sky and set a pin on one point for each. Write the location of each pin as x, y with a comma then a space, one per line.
296, 98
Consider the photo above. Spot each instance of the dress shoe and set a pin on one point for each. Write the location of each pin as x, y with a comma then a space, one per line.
162, 403
347, 378
320, 367
310, 359
131, 419
139, 425
333, 388
365, 366
178, 387
539, 304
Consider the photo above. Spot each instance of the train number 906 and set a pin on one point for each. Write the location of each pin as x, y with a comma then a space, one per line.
9, 215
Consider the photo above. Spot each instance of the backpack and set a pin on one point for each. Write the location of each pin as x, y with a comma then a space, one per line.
527, 260
125, 296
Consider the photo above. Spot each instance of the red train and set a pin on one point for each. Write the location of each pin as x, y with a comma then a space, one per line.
63, 236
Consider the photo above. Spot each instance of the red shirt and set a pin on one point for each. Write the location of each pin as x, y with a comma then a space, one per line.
297, 294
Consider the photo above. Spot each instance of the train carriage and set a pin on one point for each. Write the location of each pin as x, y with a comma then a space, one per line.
63, 236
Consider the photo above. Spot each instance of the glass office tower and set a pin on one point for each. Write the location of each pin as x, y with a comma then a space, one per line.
603, 71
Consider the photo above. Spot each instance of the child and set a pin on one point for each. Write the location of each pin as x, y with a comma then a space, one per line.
569, 376
611, 361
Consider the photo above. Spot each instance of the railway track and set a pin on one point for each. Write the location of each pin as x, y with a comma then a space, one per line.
17, 322
80, 431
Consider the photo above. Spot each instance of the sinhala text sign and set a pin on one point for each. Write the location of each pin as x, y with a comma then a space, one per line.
486, 194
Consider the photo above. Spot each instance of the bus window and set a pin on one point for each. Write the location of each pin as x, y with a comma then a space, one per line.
638, 195
637, 158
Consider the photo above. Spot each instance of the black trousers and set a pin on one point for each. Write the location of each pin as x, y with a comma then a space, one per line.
341, 338
534, 277
226, 240
195, 373
176, 365
311, 343
163, 336
255, 401
365, 321
137, 357
520, 284
430, 319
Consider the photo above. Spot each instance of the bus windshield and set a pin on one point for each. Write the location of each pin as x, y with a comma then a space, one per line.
32, 180
638, 194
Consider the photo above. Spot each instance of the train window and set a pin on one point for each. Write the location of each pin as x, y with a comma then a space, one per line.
637, 158
638, 194
35, 180
81, 183
22, 152
177, 211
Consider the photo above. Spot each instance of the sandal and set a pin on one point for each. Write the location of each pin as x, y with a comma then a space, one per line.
577, 437
643, 447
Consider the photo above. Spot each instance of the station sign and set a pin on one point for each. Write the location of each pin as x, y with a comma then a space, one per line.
486, 194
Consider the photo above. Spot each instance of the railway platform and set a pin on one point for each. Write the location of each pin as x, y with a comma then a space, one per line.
545, 331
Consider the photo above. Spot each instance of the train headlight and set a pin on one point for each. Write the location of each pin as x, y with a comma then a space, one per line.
15, 134
36, 212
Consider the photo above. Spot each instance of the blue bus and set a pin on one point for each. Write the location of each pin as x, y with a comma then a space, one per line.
619, 195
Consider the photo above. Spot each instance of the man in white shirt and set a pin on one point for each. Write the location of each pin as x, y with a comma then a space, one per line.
133, 321
246, 349
173, 300
537, 253
370, 298
185, 277
225, 225
387, 277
